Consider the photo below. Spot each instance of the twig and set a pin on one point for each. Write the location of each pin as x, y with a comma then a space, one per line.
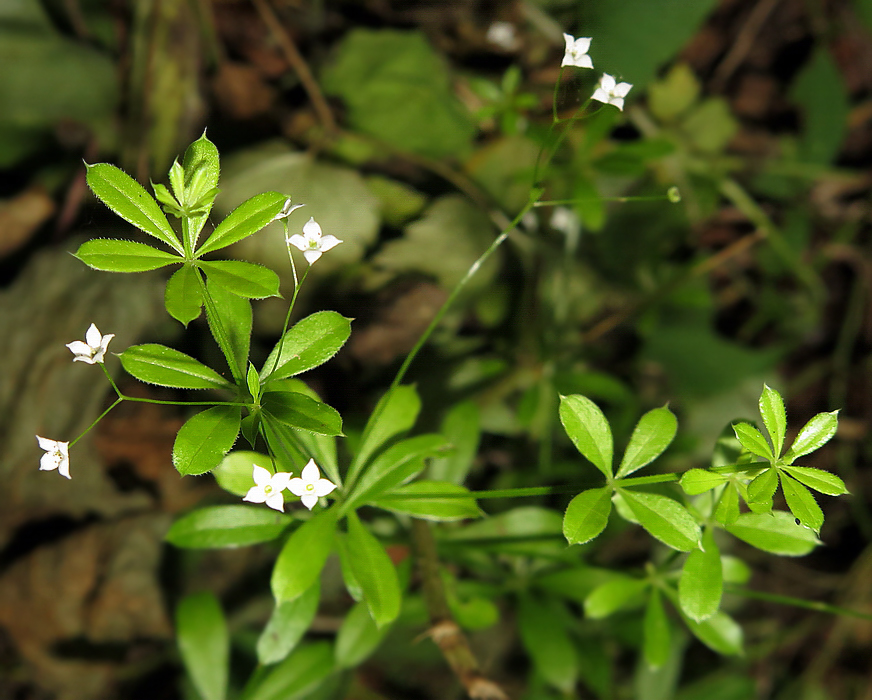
743, 43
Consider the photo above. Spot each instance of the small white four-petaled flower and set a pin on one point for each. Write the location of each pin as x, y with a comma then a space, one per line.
57, 456
312, 486
312, 243
611, 92
268, 488
94, 347
576, 52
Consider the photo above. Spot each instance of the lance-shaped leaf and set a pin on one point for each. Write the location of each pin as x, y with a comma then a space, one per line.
358, 637
374, 571
728, 506
587, 515
183, 296
618, 593
720, 632
818, 479
215, 527
248, 218
287, 625
813, 435
111, 255
589, 430
205, 438
702, 581
753, 440
204, 644
664, 518
774, 417
801, 503
158, 364
461, 427
303, 556
202, 169
127, 198
298, 676
776, 533
309, 343
302, 412
234, 314
697, 481
543, 632
244, 279
656, 633
431, 500
761, 490
653, 433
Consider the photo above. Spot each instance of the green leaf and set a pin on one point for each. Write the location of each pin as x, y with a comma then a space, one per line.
358, 637
814, 434
774, 417
296, 677
183, 296
158, 364
753, 440
776, 533
728, 506
461, 427
820, 91
303, 556
543, 632
664, 519
702, 581
395, 413
309, 343
111, 255
761, 490
283, 443
244, 279
653, 433
655, 630
348, 577
587, 515
248, 218
234, 473
696, 481
619, 593
431, 500
302, 412
202, 169
235, 315
588, 429
818, 479
396, 465
204, 644
252, 381
287, 625
801, 503
127, 198
217, 527
205, 438
719, 632
374, 571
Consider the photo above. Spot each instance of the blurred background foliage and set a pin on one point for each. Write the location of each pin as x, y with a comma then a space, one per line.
413, 132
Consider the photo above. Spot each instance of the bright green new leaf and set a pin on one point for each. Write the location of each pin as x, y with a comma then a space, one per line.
252, 381
205, 438
728, 507
774, 417
431, 500
587, 515
776, 533
761, 490
619, 593
665, 519
296, 677
720, 632
235, 316
753, 440
127, 198
696, 481
183, 296
358, 637
801, 503
588, 429
217, 527
158, 364
204, 644
111, 255
374, 571
308, 343
461, 428
813, 435
656, 632
287, 625
653, 433
202, 169
543, 632
302, 412
248, 218
244, 279
234, 473
818, 479
702, 581
303, 556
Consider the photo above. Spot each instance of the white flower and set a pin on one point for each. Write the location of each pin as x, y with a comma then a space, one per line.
576, 52
94, 347
287, 208
566, 221
503, 34
268, 488
311, 242
311, 487
57, 456
611, 92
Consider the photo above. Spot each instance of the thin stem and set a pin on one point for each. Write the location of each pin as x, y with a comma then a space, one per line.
97, 420
492, 493
653, 479
297, 286
647, 198
797, 602
161, 402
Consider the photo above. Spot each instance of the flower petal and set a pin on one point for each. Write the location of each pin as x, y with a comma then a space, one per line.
280, 481
255, 495
92, 336
309, 500
298, 241
276, 501
329, 242
261, 476
312, 227
311, 473
297, 486
311, 255
323, 487
77, 347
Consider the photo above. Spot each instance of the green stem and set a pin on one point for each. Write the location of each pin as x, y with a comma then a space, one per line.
641, 480
648, 198
297, 286
797, 602
97, 420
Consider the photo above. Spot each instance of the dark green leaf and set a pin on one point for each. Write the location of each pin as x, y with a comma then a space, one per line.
543, 632
664, 518
588, 429
374, 571
303, 556
656, 634
112, 255
774, 417
776, 533
309, 343
287, 625
205, 438
183, 296
296, 677
302, 412
204, 644
216, 527
653, 433
358, 637
820, 91
702, 581
587, 515
461, 428
158, 364
244, 279
248, 218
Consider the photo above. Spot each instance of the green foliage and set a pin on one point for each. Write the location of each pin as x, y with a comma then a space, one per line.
303, 556
215, 527
158, 364
205, 438
374, 573
309, 343
295, 677
289, 622
204, 643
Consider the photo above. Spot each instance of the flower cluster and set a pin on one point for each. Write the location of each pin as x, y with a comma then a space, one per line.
268, 488
609, 91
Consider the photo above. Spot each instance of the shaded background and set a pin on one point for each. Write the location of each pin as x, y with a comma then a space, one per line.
409, 132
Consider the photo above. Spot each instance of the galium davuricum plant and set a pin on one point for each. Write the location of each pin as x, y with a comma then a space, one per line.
292, 437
